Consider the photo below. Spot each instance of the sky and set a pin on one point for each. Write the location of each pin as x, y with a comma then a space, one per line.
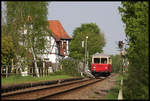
104, 14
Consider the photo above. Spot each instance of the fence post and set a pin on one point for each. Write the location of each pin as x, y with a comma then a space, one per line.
17, 70
28, 70
6, 71
46, 71
12, 65
33, 71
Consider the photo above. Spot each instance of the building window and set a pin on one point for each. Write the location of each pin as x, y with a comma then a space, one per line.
64, 46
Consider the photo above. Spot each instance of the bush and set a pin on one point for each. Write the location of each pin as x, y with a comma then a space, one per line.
116, 63
70, 67
59, 72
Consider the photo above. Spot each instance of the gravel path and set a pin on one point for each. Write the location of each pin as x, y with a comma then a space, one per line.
95, 92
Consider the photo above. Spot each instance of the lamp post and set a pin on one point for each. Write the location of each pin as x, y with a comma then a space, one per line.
86, 69
86, 50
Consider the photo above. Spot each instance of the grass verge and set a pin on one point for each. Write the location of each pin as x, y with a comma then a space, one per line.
17, 79
113, 93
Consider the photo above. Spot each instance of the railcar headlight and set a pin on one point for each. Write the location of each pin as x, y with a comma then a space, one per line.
94, 67
105, 67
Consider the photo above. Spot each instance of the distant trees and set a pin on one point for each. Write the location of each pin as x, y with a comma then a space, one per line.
116, 63
95, 43
70, 67
135, 17
27, 25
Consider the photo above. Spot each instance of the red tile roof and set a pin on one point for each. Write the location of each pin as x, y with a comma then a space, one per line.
58, 30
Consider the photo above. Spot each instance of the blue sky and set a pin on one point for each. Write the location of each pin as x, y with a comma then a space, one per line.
104, 14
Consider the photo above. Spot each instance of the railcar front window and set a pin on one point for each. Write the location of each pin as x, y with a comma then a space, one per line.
103, 60
97, 60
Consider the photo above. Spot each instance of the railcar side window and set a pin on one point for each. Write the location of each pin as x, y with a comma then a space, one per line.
103, 60
96, 60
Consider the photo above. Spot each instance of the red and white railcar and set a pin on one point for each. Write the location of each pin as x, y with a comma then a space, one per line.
101, 64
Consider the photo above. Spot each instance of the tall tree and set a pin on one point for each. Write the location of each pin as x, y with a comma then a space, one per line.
28, 26
3, 19
95, 42
7, 50
135, 17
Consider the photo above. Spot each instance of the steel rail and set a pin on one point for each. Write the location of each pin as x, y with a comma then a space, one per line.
16, 87
48, 91
45, 97
40, 88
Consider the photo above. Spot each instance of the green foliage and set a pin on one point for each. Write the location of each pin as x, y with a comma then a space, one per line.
27, 25
58, 72
7, 50
18, 20
70, 67
135, 17
116, 63
96, 40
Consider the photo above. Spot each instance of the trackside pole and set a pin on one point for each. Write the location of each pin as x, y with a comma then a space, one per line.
120, 97
87, 71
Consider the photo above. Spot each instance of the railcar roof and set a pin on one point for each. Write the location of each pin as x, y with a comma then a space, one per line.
100, 54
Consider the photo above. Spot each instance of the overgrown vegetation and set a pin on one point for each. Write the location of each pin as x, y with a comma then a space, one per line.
116, 63
70, 67
27, 25
113, 93
135, 17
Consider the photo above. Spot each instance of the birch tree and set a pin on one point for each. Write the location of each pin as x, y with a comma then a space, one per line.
28, 25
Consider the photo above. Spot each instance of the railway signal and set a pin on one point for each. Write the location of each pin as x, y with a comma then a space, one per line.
122, 53
120, 44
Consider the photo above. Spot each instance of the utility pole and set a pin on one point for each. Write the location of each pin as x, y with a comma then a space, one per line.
120, 45
86, 50
86, 69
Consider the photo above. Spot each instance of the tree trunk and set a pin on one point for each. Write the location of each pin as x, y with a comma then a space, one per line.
35, 63
44, 73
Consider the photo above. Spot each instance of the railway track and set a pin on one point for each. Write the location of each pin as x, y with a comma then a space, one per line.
16, 87
48, 91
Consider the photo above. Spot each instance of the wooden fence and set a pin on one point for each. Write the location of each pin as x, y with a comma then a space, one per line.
7, 70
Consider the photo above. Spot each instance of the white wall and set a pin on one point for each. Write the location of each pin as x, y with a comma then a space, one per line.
51, 45
52, 51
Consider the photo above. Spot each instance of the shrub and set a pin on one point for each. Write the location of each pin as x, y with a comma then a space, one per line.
70, 66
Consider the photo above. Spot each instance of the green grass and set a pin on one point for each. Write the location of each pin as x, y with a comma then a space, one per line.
20, 79
113, 93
